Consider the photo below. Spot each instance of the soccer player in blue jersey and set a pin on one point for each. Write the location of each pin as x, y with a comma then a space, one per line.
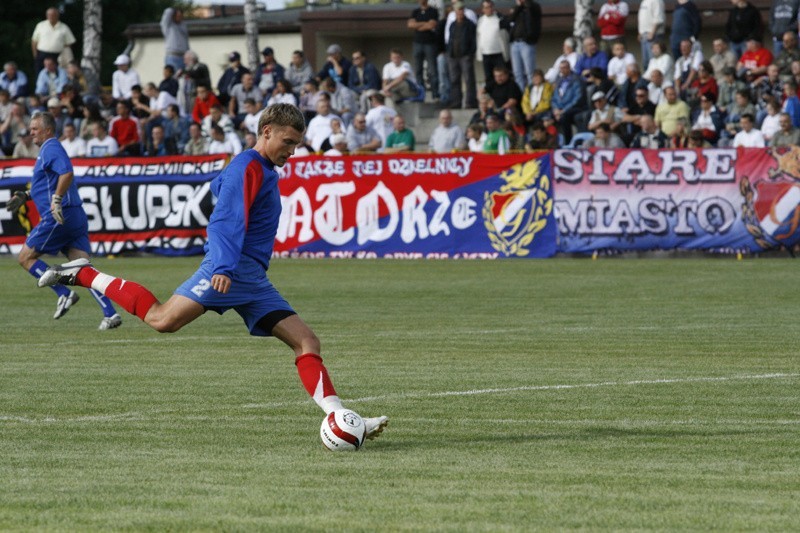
63, 226
241, 235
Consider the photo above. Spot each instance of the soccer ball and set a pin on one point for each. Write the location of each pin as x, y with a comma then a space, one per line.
343, 430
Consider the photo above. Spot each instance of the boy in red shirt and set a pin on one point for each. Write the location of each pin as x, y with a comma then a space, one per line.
203, 103
125, 130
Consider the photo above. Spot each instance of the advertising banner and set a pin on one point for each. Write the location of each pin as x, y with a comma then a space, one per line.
719, 199
157, 205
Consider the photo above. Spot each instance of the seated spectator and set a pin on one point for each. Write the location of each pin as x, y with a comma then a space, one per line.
788, 54
343, 100
497, 140
686, 66
72, 104
233, 76
749, 136
51, 79
319, 128
771, 123
791, 102
282, 94
363, 79
91, 116
649, 136
361, 137
337, 66
788, 135
16, 121
660, 61
754, 61
176, 127
633, 82
252, 115
708, 120
125, 130
158, 103
632, 117
124, 78
337, 128
298, 72
540, 139
380, 117
60, 118
766, 89
140, 104
741, 106
537, 97
704, 83
168, 83
728, 87
680, 135
5, 105
567, 102
604, 138
476, 137
14, 81
73, 145
447, 137
599, 82
696, 140
592, 57
240, 92
655, 89
398, 77
401, 139
25, 148
617, 70
516, 141
221, 143
503, 90
670, 111
203, 103
485, 106
722, 58
193, 75
217, 117
159, 144
338, 146
197, 144
101, 144
604, 113
250, 140
309, 98
568, 54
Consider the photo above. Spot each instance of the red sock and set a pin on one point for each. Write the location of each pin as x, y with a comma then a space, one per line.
131, 296
316, 381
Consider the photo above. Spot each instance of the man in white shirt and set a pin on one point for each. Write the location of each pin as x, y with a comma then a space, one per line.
687, 65
362, 138
50, 38
101, 144
568, 54
618, 64
492, 39
446, 137
319, 128
398, 77
73, 145
222, 143
217, 117
124, 78
380, 117
655, 89
651, 21
253, 114
749, 137
660, 60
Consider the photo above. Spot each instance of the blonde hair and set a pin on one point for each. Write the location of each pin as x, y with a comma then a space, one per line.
282, 115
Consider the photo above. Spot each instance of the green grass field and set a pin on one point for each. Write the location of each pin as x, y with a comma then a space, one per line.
523, 395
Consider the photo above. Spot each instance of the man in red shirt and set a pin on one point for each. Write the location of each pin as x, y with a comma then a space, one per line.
125, 130
203, 103
754, 61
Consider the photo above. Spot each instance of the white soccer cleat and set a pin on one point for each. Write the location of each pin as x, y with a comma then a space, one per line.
64, 303
64, 274
110, 322
375, 426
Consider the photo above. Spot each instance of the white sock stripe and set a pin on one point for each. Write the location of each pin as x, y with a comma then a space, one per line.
101, 282
99, 297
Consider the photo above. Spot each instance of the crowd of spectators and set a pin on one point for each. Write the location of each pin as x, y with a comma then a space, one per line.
737, 93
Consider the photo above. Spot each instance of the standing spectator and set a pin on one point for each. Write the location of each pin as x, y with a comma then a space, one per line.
604, 138
401, 139
492, 39
380, 117
159, 144
660, 60
497, 140
650, 136
708, 120
651, 19
442, 70
754, 61
447, 136
73, 145
361, 137
14, 81
51, 79
526, 18
749, 136
168, 83
567, 101
101, 144
686, 66
298, 71
423, 23
789, 53
619, 62
537, 98
398, 78
670, 111
337, 66
723, 57
176, 38
788, 135
783, 18
239, 93
197, 144
124, 78
319, 128
25, 148
125, 130
343, 100
203, 103
611, 21
51, 38
363, 79
568, 53
461, 49
744, 23
268, 73
230, 77
686, 24
591, 57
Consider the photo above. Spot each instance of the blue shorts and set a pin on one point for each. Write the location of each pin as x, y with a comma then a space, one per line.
49, 237
251, 295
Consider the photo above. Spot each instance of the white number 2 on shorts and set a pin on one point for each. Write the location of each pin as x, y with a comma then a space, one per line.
201, 287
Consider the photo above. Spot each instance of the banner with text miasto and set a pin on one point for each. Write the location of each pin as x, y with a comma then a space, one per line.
464, 205
157, 205
719, 199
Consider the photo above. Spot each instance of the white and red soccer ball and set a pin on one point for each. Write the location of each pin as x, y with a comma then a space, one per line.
343, 430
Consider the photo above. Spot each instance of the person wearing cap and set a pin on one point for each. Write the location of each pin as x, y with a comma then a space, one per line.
124, 78
25, 148
51, 80
336, 66
338, 146
268, 73
176, 37
231, 76
604, 113
51, 38
744, 23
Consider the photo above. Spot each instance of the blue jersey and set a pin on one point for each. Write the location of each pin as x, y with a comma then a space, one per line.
245, 219
52, 162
